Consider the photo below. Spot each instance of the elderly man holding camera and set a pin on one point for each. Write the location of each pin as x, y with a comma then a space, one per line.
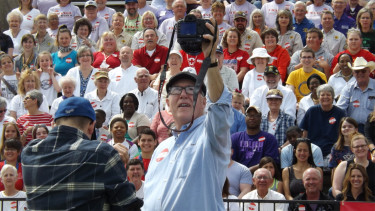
174, 179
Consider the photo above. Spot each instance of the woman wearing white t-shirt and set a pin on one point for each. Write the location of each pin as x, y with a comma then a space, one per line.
9, 80
49, 85
9, 178
66, 12
29, 13
15, 32
254, 78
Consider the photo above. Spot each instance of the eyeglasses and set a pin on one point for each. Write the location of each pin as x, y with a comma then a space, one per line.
2, 111
262, 177
360, 71
360, 146
307, 57
177, 90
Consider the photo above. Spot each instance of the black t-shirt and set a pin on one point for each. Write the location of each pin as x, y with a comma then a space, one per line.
5, 42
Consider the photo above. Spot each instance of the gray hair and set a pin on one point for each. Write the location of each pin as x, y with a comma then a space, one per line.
3, 102
262, 169
14, 14
368, 5
36, 94
325, 88
183, 1
300, 3
251, 23
140, 69
82, 50
312, 169
67, 79
5, 168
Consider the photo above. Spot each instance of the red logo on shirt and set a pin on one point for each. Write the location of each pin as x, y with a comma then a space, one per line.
162, 155
356, 104
118, 78
259, 77
93, 104
332, 120
287, 45
261, 139
103, 137
239, 58
301, 207
131, 124
68, 60
252, 206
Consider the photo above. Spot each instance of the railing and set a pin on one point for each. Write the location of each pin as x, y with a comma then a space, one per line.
11, 200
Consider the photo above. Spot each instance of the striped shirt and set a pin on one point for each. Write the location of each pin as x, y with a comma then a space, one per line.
27, 120
67, 171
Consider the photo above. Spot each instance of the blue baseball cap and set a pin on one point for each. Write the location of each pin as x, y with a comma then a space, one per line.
75, 106
130, 1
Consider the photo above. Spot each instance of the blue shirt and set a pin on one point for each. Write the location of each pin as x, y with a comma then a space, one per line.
344, 24
187, 171
164, 15
62, 65
283, 122
239, 123
358, 104
286, 156
67, 171
249, 149
302, 28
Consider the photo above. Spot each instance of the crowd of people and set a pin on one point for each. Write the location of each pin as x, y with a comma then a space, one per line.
299, 76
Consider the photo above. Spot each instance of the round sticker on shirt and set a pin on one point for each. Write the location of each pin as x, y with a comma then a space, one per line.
29, 17
74, 45
199, 60
239, 58
287, 45
93, 104
114, 55
131, 124
103, 137
356, 104
162, 155
301, 207
68, 60
252, 206
106, 16
157, 60
247, 46
332, 120
259, 77
261, 139
140, 41
118, 78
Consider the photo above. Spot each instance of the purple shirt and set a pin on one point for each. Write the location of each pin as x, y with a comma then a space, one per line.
249, 149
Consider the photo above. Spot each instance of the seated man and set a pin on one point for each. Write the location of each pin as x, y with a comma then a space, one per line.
286, 155
251, 145
297, 79
239, 177
135, 171
262, 180
312, 180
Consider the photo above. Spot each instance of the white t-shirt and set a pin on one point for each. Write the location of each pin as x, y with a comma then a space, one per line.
252, 81
107, 13
44, 5
270, 10
272, 127
232, 8
52, 33
99, 26
10, 205
17, 40
222, 28
314, 12
139, 193
66, 14
46, 87
206, 13
28, 19
55, 105
5, 92
167, 28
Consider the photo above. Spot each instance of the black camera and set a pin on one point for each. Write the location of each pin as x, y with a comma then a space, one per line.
190, 33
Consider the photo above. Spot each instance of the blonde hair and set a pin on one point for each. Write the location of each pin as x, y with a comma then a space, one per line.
107, 34
24, 75
6, 167
153, 15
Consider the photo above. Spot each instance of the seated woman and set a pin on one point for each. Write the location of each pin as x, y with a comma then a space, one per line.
27, 59
122, 37
15, 31
276, 121
341, 149
68, 85
108, 55
292, 176
11, 152
355, 187
281, 58
288, 39
82, 29
40, 131
313, 82
10, 131
9, 180
256, 22
359, 146
254, 78
340, 79
119, 128
364, 24
44, 42
234, 57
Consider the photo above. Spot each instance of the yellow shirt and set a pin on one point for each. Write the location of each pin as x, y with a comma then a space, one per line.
298, 79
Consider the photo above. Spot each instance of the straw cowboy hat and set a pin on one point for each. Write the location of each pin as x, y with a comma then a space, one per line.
361, 63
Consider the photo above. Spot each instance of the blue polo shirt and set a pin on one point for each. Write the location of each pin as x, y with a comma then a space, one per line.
344, 24
302, 28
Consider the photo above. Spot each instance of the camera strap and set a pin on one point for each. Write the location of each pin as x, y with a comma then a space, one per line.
198, 84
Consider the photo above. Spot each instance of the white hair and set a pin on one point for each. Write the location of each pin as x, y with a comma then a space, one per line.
5, 168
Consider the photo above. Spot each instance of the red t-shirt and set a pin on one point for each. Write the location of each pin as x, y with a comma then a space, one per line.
192, 61
362, 53
112, 60
19, 182
236, 60
152, 63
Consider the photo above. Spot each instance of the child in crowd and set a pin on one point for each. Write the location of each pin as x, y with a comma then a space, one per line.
101, 132
238, 100
9, 81
49, 85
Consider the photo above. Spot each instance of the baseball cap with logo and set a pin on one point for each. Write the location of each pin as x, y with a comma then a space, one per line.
90, 3
240, 14
75, 106
271, 69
